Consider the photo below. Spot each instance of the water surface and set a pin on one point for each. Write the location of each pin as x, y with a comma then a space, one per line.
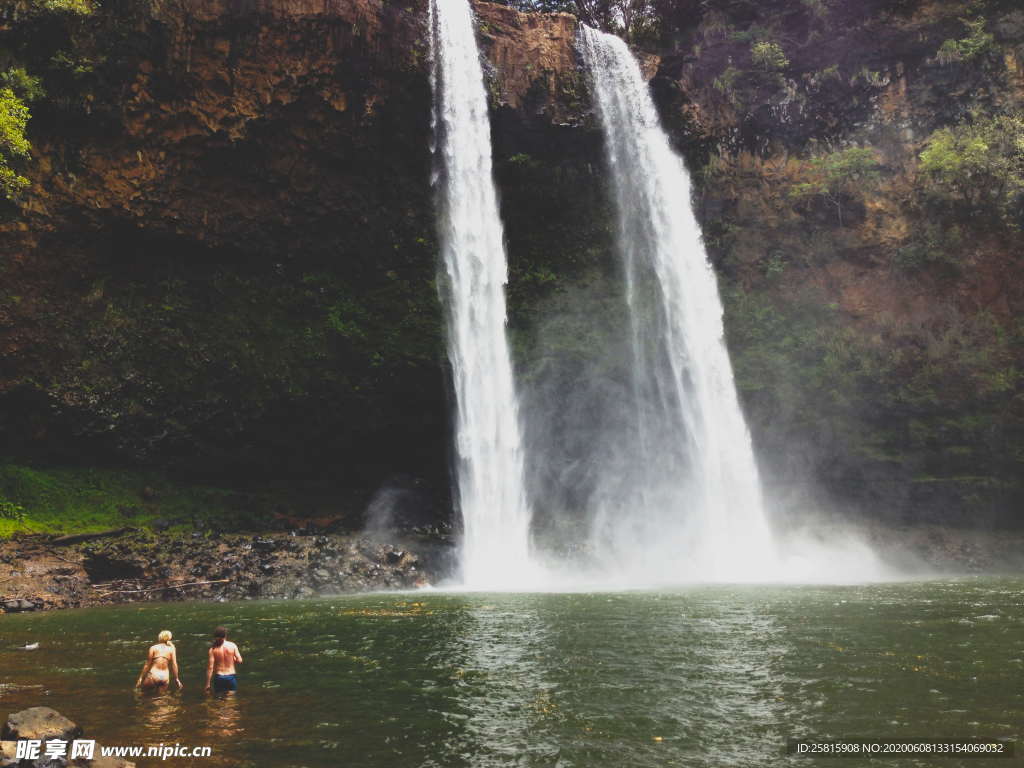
711, 676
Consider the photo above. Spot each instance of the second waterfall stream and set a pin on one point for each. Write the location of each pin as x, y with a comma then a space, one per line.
691, 507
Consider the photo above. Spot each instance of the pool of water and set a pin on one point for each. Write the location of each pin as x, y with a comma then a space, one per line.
712, 676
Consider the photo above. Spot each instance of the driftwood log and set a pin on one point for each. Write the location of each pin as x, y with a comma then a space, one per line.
157, 589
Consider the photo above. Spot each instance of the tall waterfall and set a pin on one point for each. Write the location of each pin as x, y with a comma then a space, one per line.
687, 502
489, 461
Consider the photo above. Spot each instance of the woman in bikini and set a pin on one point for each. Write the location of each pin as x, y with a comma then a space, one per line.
160, 663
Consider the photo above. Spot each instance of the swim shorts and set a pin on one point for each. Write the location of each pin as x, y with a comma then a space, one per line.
225, 683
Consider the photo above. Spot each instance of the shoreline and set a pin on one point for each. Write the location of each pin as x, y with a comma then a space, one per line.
38, 573
138, 566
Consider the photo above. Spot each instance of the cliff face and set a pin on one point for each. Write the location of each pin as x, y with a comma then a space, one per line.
874, 324
235, 230
226, 262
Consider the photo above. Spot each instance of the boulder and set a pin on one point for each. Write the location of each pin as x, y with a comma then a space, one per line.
44, 723
40, 723
14, 606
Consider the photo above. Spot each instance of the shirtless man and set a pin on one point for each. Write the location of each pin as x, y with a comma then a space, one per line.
222, 659
161, 661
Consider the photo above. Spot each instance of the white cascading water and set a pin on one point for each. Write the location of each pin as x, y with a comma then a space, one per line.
688, 505
495, 548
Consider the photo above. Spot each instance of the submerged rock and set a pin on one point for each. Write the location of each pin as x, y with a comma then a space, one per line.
40, 723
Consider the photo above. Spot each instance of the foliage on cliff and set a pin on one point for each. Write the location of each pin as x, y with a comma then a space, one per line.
14, 117
864, 208
17, 86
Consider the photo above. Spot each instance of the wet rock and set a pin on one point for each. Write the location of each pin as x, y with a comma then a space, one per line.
40, 723
264, 545
394, 557
19, 605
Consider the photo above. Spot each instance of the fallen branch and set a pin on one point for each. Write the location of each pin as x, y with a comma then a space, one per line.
75, 538
169, 586
112, 583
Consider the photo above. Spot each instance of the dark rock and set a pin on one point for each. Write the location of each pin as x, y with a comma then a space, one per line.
40, 723
394, 557
19, 605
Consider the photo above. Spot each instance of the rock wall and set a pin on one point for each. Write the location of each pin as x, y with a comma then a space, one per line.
225, 265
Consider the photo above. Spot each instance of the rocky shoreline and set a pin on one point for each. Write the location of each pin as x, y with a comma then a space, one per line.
38, 573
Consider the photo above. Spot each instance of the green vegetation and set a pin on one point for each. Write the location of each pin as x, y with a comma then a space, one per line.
726, 82
744, 87
978, 164
839, 177
24, 85
11, 511
768, 56
14, 116
933, 246
976, 43
81, 7
72, 500
18, 88
925, 398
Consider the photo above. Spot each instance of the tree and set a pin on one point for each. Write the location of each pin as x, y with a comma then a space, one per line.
839, 176
768, 56
14, 117
977, 42
979, 164
18, 87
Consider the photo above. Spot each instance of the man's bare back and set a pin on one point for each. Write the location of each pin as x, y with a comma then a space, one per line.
224, 658
220, 667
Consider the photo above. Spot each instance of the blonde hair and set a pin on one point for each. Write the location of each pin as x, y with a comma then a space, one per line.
165, 637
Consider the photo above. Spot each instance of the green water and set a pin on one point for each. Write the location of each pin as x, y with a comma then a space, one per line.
707, 676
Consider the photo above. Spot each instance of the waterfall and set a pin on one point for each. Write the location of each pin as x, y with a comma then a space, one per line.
489, 455
686, 501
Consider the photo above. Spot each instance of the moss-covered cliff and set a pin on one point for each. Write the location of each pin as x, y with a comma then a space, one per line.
225, 263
